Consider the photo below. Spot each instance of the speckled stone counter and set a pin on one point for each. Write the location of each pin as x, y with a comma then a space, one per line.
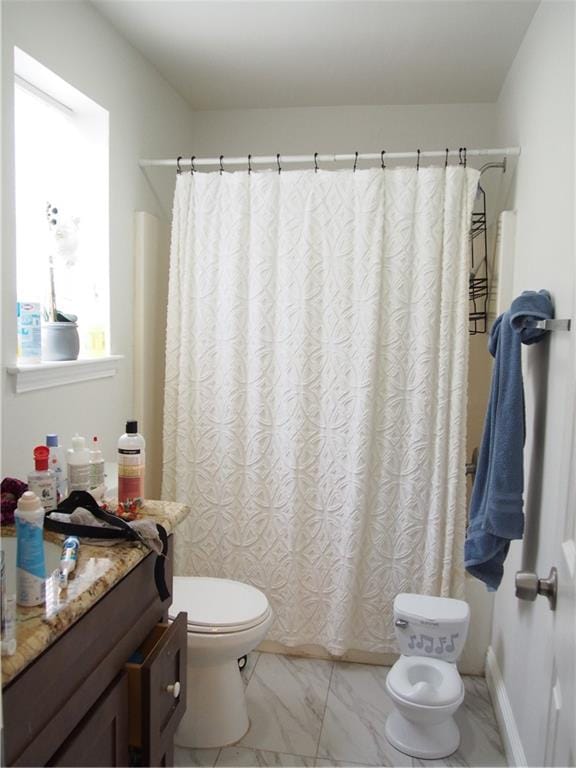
98, 569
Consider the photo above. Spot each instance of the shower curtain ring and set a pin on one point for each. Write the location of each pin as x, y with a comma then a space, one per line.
382, 158
249, 164
446, 160
278, 163
315, 162
418, 160
178, 169
192, 169
465, 158
355, 161
221, 166
459, 155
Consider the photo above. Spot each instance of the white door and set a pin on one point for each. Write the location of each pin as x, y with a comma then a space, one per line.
561, 729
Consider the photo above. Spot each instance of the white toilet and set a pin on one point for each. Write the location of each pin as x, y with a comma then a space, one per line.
424, 683
226, 620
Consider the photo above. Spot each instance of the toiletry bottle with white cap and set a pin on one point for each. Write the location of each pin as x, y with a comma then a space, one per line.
78, 458
131, 463
56, 464
30, 565
96, 465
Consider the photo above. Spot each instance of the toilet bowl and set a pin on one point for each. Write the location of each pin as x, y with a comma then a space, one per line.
424, 684
226, 620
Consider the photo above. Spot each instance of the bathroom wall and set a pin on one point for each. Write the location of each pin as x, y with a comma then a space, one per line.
536, 111
147, 118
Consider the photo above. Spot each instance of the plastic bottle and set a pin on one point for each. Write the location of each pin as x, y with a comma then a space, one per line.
42, 481
56, 464
78, 458
131, 464
96, 465
30, 565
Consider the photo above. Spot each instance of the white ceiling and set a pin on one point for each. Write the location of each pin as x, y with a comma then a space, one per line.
230, 55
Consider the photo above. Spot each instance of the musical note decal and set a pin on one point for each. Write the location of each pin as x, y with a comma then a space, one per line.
442, 642
450, 646
429, 646
411, 642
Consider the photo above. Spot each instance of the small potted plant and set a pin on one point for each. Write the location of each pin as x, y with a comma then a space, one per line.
60, 340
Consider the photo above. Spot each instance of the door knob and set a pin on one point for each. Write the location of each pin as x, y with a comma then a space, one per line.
529, 586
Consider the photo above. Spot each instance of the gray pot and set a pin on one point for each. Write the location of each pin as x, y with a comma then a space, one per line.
60, 341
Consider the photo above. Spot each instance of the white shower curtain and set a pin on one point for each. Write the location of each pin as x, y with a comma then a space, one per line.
315, 406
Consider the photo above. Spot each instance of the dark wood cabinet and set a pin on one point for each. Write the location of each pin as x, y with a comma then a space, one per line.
101, 739
71, 705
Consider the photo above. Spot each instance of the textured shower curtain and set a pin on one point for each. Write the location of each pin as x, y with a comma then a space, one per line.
315, 406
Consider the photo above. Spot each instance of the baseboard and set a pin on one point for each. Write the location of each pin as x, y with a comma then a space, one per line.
515, 754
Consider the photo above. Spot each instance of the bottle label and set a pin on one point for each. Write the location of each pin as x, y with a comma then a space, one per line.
96, 474
78, 477
30, 566
45, 488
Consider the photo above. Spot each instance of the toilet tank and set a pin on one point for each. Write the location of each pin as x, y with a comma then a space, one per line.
431, 626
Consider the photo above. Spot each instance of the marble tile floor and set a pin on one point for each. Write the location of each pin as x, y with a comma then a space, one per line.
307, 712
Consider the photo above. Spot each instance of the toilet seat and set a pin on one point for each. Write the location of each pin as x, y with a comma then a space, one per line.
218, 606
425, 681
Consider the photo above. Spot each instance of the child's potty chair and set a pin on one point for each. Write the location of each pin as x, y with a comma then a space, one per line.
424, 684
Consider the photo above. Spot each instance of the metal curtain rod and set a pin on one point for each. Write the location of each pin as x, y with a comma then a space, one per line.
223, 161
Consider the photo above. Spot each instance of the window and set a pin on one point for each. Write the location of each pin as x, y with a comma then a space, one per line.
61, 161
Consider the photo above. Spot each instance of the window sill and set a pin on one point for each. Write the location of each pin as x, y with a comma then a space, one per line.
55, 374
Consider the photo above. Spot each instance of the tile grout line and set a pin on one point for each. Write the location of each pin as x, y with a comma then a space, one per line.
254, 667
324, 712
217, 758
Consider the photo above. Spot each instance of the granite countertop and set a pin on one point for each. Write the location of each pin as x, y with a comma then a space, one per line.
98, 569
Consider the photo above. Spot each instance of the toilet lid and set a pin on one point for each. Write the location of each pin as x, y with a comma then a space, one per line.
431, 682
218, 605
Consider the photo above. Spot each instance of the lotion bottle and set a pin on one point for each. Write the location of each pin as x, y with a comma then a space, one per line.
30, 565
131, 464
78, 465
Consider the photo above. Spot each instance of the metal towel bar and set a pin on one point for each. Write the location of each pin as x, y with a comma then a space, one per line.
549, 325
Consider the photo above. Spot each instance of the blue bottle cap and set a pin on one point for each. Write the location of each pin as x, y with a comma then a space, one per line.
52, 441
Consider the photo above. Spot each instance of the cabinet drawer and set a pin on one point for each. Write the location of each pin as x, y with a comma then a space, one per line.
157, 689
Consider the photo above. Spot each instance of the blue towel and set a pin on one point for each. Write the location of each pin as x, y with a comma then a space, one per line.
496, 515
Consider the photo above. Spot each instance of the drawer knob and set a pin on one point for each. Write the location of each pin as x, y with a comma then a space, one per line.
174, 689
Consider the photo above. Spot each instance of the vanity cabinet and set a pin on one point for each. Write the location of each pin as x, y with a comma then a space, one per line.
73, 705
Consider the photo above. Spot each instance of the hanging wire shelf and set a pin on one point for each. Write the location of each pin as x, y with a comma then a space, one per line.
478, 282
